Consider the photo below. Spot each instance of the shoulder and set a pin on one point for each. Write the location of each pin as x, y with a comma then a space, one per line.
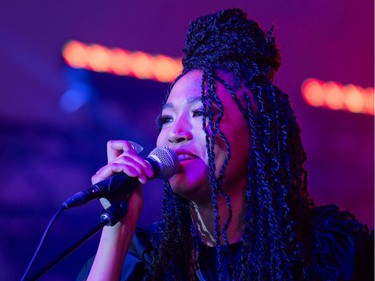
137, 258
342, 247
141, 244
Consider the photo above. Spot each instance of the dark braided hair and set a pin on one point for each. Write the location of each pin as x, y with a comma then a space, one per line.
278, 206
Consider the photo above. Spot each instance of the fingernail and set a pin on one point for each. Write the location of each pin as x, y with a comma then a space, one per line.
137, 147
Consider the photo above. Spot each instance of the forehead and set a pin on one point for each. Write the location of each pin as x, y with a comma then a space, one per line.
190, 86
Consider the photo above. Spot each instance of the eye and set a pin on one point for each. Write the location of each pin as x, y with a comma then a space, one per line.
162, 120
198, 113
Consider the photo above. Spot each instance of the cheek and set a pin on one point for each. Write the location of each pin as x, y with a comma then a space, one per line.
240, 148
220, 151
238, 139
161, 139
191, 182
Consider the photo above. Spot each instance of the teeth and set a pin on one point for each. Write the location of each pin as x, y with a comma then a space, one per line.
182, 157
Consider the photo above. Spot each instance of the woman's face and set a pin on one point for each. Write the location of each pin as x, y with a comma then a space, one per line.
181, 130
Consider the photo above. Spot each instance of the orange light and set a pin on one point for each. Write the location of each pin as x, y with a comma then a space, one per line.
75, 54
354, 100
313, 92
333, 95
338, 97
121, 62
166, 69
369, 100
98, 58
142, 65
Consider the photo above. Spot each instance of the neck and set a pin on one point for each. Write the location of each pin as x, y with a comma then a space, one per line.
204, 219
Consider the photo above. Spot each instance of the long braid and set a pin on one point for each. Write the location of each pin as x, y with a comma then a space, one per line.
249, 248
270, 181
217, 133
212, 131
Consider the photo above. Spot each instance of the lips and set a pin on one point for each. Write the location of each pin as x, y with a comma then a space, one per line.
184, 155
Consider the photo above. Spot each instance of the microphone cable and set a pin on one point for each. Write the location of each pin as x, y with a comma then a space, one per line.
52, 221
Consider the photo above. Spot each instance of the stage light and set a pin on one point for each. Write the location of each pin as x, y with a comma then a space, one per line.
75, 54
121, 62
369, 100
313, 92
142, 65
98, 58
166, 68
76, 96
335, 96
353, 98
161, 68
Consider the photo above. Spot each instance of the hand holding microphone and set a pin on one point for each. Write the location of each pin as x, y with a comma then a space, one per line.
125, 170
119, 181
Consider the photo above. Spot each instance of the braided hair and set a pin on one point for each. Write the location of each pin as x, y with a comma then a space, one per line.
275, 239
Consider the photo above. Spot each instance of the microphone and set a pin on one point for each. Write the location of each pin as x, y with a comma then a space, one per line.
164, 163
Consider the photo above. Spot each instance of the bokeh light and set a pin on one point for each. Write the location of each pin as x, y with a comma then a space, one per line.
335, 96
121, 62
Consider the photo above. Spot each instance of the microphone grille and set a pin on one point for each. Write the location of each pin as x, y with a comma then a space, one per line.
167, 161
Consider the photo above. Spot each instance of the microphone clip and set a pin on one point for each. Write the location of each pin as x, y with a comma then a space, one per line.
114, 213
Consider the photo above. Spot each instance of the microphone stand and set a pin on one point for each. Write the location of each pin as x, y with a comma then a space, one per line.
109, 217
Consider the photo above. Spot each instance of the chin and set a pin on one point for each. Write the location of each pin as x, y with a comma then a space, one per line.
197, 192
180, 185
191, 180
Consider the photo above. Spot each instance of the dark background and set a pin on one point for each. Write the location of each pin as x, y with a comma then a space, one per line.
48, 154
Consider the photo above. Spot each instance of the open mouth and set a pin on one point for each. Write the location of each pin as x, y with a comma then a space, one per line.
184, 156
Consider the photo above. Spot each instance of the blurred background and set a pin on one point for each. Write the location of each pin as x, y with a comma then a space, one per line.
55, 119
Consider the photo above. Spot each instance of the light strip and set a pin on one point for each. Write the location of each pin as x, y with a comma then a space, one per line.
121, 62
335, 96
162, 68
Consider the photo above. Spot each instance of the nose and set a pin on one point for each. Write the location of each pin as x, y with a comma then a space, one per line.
181, 130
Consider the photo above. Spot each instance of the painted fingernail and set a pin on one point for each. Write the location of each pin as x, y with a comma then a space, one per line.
137, 147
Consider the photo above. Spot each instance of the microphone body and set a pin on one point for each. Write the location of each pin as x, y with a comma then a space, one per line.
164, 163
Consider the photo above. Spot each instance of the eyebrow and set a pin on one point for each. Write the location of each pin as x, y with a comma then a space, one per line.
189, 101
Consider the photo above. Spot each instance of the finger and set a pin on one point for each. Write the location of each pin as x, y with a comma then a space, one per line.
116, 147
129, 156
138, 168
108, 170
105, 173
139, 162
142, 167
